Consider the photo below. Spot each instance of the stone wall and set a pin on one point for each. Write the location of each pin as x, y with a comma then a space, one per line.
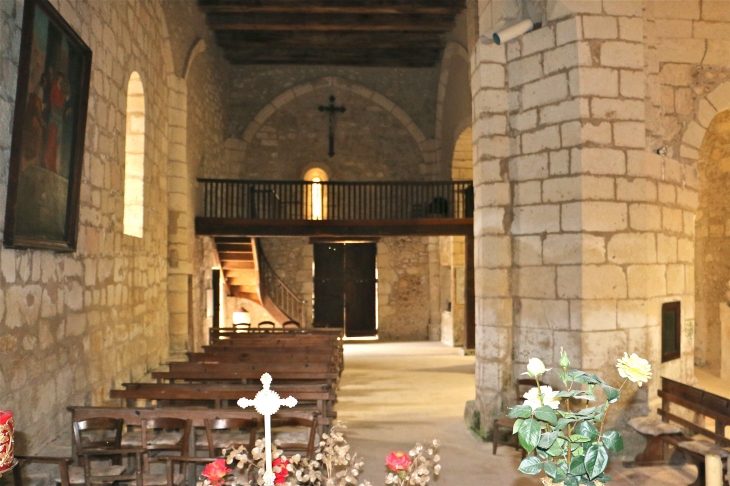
76, 325
582, 232
403, 288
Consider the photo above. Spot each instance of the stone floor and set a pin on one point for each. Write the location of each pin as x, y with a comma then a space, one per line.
395, 394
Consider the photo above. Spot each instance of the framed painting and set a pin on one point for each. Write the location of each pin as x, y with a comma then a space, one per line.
47, 148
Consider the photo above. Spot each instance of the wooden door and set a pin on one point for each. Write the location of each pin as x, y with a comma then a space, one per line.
345, 286
360, 289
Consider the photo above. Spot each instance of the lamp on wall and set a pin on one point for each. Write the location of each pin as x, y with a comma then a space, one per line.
241, 316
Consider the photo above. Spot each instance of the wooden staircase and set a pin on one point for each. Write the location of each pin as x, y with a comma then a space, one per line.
240, 267
241, 264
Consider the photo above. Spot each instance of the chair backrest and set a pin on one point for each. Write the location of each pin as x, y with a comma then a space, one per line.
291, 324
166, 434
266, 325
234, 438
97, 433
296, 434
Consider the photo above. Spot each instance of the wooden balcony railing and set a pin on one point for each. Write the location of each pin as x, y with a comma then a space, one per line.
344, 201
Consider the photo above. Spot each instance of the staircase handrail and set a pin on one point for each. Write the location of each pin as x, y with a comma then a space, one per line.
273, 287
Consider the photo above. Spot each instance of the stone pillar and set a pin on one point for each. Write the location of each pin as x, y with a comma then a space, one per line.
492, 221
581, 233
181, 233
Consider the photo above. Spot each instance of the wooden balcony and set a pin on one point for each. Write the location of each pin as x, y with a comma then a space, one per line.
296, 208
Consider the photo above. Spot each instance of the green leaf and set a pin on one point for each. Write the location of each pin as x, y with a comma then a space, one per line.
612, 394
577, 467
547, 439
586, 429
529, 434
546, 414
556, 449
520, 411
530, 465
550, 469
563, 422
570, 481
559, 476
516, 426
613, 441
596, 460
579, 438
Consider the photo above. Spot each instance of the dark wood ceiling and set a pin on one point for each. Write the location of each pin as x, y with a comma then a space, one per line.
387, 33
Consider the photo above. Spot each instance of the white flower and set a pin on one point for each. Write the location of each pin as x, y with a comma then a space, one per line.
634, 368
535, 367
532, 397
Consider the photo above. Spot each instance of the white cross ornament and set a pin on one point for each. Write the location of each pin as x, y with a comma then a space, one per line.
267, 402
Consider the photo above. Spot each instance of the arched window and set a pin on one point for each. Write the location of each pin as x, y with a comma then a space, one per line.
134, 159
317, 194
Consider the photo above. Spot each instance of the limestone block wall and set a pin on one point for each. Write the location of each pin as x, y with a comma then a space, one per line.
582, 233
687, 76
76, 325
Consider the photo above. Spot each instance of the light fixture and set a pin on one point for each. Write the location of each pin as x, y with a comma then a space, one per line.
241, 316
514, 31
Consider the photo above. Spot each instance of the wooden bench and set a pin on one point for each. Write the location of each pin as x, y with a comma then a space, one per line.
221, 394
222, 372
257, 354
669, 430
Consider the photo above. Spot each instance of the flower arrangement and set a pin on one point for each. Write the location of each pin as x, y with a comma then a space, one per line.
414, 468
571, 446
332, 465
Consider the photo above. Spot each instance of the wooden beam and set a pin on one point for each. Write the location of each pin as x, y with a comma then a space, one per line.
335, 40
393, 227
327, 56
324, 23
393, 7
393, 63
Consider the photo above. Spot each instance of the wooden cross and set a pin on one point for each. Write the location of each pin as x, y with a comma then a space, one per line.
333, 110
267, 402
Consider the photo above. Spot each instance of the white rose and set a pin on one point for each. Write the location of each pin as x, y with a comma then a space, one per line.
535, 367
549, 398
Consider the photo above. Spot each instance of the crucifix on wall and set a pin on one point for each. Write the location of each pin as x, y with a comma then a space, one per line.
332, 110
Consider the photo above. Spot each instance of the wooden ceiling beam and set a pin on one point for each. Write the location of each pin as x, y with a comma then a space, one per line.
329, 40
390, 7
326, 23
385, 63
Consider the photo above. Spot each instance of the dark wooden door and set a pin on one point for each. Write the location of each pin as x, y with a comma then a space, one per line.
344, 287
360, 289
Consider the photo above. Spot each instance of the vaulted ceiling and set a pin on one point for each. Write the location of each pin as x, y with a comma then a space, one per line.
389, 33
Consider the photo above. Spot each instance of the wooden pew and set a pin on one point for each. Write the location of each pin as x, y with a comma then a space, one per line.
259, 368
217, 393
210, 372
680, 401
260, 354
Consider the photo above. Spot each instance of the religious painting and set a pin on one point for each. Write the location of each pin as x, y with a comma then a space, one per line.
48, 132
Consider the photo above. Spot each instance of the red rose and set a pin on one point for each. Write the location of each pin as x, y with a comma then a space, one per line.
283, 472
398, 461
216, 471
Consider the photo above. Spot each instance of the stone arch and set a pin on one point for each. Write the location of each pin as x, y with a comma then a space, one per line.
715, 102
197, 48
712, 231
238, 147
452, 49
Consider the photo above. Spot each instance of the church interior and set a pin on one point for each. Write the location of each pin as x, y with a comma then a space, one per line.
390, 172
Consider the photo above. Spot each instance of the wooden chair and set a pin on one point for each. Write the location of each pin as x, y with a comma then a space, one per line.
291, 325
164, 435
63, 464
227, 433
92, 439
295, 434
505, 423
266, 325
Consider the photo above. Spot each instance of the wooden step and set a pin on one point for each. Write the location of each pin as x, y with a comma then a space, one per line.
235, 247
247, 295
236, 255
237, 265
250, 275
233, 239
247, 289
